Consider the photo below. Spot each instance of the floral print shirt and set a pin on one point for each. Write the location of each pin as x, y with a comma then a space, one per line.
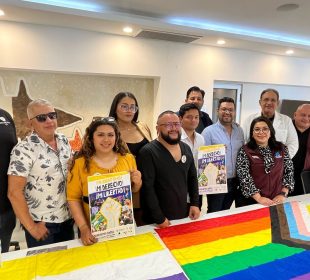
46, 172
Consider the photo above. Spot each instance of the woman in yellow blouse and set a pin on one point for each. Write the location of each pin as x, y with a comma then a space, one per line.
102, 152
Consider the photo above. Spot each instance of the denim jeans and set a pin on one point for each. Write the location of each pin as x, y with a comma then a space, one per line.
7, 225
58, 232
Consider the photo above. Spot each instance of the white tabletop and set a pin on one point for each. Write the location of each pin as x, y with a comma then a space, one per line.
150, 228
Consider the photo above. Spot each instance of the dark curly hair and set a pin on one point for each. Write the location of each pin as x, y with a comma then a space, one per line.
88, 148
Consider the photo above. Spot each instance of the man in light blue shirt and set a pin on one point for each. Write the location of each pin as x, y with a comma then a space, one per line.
227, 132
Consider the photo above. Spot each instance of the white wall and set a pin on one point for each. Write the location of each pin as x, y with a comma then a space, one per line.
252, 92
175, 66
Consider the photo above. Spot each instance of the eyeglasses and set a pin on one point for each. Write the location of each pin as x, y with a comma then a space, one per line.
170, 125
257, 130
129, 108
227, 111
43, 117
105, 119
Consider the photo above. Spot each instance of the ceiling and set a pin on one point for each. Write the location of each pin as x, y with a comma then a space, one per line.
256, 25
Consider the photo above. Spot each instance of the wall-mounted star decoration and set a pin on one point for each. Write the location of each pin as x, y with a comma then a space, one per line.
19, 105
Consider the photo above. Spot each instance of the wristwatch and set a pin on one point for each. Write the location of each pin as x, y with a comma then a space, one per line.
285, 194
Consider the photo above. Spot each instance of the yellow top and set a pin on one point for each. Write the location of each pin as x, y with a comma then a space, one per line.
77, 186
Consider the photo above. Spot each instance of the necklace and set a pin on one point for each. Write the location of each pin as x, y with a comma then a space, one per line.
126, 128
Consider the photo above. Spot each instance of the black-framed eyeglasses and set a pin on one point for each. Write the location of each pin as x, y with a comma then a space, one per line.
105, 119
43, 117
129, 108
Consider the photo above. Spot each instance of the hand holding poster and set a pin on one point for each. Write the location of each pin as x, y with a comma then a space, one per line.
212, 169
110, 203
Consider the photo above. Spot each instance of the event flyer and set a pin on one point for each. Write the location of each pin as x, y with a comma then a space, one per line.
212, 169
110, 205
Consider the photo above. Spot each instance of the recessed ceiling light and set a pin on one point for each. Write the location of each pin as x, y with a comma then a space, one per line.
288, 7
2, 13
289, 52
221, 42
127, 29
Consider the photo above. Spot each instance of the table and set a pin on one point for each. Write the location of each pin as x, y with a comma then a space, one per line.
143, 256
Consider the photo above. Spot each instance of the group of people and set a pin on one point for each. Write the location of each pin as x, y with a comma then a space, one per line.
46, 187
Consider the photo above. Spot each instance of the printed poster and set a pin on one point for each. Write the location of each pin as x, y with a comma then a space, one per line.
110, 205
212, 176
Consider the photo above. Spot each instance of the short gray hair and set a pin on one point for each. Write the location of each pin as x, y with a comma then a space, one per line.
37, 102
301, 106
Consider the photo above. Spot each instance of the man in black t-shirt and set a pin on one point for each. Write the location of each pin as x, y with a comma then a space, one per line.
8, 140
168, 174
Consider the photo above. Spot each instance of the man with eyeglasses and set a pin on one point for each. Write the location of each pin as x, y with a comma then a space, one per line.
8, 140
301, 160
283, 125
37, 179
168, 174
229, 133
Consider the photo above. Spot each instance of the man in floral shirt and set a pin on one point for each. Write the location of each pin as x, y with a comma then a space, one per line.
37, 179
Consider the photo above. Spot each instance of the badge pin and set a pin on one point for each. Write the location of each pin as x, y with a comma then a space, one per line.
183, 158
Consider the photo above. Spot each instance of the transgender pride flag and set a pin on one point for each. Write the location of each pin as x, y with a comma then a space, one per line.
269, 243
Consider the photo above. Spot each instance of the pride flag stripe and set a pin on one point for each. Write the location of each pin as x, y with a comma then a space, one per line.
157, 265
209, 235
302, 277
212, 223
294, 233
299, 219
284, 228
286, 268
276, 229
219, 266
60, 262
221, 247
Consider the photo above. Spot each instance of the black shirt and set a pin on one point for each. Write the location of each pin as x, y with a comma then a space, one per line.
299, 159
134, 148
8, 140
204, 121
166, 182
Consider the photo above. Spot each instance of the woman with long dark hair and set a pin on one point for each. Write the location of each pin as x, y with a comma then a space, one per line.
264, 167
102, 152
134, 133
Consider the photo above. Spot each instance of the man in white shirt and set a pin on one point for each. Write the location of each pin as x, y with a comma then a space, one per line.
189, 115
189, 118
283, 125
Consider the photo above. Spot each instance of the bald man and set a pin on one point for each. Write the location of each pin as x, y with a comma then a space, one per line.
301, 160
168, 174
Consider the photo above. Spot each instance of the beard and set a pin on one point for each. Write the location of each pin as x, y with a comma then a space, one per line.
170, 140
226, 120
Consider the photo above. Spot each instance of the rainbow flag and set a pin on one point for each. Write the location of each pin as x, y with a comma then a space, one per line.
268, 243
137, 257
